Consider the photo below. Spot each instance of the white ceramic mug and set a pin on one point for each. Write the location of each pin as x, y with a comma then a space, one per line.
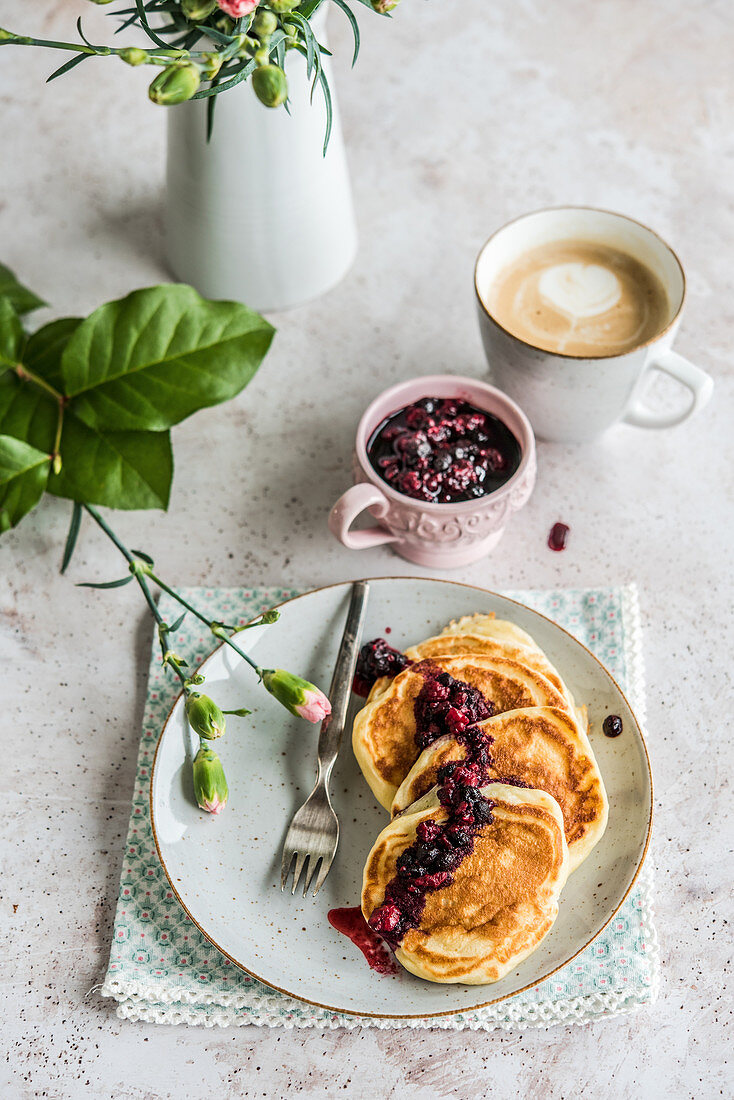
569, 398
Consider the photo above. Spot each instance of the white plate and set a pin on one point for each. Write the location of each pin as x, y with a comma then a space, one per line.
225, 871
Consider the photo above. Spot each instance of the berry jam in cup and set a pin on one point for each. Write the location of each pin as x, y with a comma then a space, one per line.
443, 450
441, 464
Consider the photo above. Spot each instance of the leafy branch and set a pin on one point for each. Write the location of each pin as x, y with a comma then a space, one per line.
86, 408
240, 39
86, 405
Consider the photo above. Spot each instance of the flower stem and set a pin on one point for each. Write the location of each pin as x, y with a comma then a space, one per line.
142, 570
217, 630
145, 589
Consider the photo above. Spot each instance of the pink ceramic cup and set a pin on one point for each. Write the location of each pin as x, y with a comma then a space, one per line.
437, 535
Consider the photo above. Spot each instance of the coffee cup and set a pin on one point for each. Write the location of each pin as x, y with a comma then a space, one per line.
442, 535
577, 307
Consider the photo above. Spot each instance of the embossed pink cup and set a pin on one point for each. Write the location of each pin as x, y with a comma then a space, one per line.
437, 535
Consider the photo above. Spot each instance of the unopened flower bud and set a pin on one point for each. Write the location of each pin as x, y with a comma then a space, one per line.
283, 6
198, 10
265, 23
175, 84
291, 35
296, 694
132, 55
384, 6
262, 54
210, 784
270, 84
211, 64
205, 717
237, 8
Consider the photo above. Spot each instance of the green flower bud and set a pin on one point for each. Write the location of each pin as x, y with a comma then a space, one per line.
175, 84
262, 55
384, 6
283, 6
133, 56
198, 10
211, 64
205, 717
7, 36
291, 35
270, 84
265, 23
296, 694
210, 784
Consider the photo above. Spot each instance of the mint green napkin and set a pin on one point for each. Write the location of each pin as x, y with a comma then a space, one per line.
163, 969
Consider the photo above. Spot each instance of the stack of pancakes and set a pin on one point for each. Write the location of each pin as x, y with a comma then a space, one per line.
549, 802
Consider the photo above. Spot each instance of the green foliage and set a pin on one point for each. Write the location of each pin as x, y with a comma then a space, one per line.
86, 404
23, 474
12, 335
20, 297
242, 47
150, 360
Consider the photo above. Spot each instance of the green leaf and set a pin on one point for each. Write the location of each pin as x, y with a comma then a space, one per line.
43, 351
12, 336
241, 713
76, 522
27, 412
107, 584
23, 476
22, 298
174, 626
354, 25
118, 469
150, 360
68, 66
143, 556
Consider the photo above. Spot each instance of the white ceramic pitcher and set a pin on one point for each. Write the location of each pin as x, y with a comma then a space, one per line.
258, 214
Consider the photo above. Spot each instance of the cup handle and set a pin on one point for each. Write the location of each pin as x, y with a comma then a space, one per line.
699, 383
346, 510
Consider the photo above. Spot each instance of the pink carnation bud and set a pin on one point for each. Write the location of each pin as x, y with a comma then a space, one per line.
315, 706
215, 806
238, 8
300, 696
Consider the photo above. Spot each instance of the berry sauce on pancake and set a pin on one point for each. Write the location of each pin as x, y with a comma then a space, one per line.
444, 705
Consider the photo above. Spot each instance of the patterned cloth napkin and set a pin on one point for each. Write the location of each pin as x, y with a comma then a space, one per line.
163, 970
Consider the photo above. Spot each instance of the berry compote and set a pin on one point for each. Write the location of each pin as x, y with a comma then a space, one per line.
443, 450
445, 705
376, 659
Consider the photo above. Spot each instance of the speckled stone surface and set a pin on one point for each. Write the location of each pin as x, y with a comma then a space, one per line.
454, 125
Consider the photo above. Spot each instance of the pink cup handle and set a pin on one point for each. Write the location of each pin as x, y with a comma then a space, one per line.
346, 510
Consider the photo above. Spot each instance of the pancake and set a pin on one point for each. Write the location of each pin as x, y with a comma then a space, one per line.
483, 633
384, 733
542, 747
503, 897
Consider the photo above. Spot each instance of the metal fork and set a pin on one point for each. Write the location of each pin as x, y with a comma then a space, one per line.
313, 835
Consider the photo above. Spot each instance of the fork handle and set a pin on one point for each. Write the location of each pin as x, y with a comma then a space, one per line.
332, 727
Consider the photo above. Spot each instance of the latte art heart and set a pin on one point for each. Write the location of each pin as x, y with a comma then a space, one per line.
580, 290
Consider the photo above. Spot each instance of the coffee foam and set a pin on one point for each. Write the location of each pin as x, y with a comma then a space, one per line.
579, 298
